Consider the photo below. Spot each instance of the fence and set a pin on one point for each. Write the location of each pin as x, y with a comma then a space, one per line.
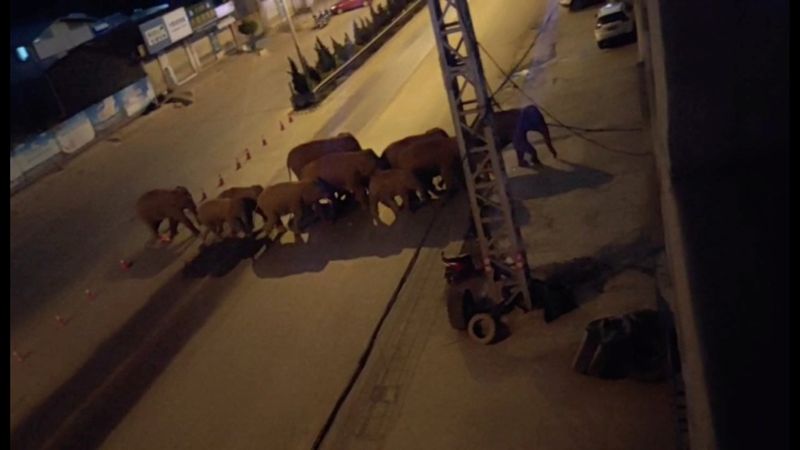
44, 152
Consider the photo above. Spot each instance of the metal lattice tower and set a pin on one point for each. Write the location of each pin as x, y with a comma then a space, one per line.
502, 250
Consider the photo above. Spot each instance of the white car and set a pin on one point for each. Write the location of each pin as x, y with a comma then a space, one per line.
614, 20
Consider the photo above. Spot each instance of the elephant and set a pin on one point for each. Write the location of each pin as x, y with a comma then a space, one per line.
384, 185
427, 158
250, 197
512, 126
290, 197
158, 204
391, 152
214, 214
345, 172
303, 154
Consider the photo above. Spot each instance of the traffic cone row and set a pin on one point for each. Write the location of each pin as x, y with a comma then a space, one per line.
126, 265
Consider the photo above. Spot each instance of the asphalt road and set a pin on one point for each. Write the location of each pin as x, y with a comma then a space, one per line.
280, 336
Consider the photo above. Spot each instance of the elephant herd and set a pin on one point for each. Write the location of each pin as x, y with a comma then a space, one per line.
330, 171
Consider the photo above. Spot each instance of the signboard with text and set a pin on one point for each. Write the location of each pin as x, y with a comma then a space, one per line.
163, 31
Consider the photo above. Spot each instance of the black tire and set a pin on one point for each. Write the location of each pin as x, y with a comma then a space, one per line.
459, 308
482, 328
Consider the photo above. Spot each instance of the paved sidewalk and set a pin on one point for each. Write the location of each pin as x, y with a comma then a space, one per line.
427, 386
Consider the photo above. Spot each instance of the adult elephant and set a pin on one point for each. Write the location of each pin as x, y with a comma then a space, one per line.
308, 152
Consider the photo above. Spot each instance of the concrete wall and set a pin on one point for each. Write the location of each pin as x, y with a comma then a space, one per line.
719, 116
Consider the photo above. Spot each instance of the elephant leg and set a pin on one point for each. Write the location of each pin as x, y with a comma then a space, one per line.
233, 224
361, 197
373, 208
546, 134
392, 204
188, 224
297, 215
449, 178
409, 196
271, 220
173, 228
154, 224
247, 224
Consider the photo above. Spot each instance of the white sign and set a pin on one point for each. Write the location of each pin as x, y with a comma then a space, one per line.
177, 23
224, 10
155, 36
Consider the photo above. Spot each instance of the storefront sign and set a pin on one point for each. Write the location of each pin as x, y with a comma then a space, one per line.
161, 32
224, 9
155, 35
178, 25
201, 14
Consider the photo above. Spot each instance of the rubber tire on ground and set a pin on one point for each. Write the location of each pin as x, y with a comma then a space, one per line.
482, 328
459, 307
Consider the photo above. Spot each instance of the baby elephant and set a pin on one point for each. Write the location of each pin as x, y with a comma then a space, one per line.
159, 204
290, 197
385, 185
250, 197
214, 214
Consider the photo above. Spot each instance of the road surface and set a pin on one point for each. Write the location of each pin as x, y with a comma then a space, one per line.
281, 335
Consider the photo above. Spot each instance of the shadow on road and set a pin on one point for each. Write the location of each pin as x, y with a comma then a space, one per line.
550, 181
221, 257
150, 261
352, 236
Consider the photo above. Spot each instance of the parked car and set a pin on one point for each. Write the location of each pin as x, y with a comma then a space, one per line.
348, 5
614, 21
577, 5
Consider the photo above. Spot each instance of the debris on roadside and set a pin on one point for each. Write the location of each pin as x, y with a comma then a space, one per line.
631, 345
